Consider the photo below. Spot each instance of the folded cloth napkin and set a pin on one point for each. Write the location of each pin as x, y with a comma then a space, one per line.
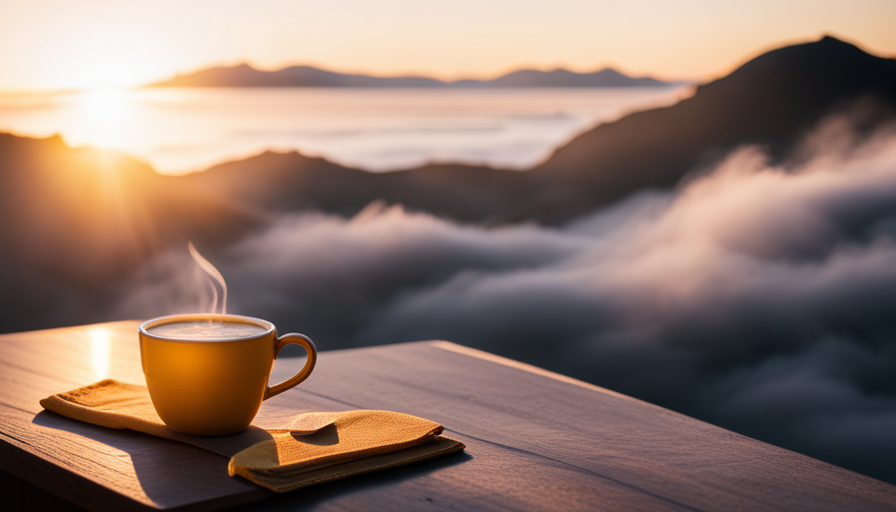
276, 457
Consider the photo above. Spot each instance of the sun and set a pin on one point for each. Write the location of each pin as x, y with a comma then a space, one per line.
104, 105
103, 114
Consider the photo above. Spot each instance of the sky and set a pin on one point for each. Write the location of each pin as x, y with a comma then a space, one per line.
56, 44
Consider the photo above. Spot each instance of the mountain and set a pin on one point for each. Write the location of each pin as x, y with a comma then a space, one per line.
244, 75
773, 100
608, 77
76, 223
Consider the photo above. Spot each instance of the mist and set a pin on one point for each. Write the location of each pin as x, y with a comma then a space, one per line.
759, 296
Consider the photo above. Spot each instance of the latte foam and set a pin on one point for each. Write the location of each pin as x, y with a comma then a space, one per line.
204, 329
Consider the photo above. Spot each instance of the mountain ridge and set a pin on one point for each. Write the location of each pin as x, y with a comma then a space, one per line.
773, 101
244, 75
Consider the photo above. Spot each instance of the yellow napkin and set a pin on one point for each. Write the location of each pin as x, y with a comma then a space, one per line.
275, 457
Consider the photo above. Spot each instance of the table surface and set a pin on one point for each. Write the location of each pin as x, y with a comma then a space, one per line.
535, 439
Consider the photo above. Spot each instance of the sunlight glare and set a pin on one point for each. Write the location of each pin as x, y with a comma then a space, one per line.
100, 349
103, 112
104, 105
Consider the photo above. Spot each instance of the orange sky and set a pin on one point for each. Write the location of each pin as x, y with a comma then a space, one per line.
51, 44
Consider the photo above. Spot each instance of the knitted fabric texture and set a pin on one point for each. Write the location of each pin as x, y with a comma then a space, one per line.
276, 457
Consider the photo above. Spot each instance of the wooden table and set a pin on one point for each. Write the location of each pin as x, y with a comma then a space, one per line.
535, 439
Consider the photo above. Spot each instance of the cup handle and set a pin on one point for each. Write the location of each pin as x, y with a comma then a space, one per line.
293, 339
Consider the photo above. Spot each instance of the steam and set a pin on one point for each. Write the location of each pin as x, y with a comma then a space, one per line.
213, 277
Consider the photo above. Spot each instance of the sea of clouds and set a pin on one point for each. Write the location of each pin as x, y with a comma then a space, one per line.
759, 297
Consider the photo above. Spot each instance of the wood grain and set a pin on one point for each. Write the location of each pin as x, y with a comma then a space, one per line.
535, 440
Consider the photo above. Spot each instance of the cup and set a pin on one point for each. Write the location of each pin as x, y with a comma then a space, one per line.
207, 374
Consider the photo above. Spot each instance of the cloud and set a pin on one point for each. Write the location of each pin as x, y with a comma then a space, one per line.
759, 297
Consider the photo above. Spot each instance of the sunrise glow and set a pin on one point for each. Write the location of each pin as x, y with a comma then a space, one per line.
103, 44
104, 112
104, 105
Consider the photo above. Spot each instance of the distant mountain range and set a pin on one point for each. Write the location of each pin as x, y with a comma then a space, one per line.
76, 222
245, 75
773, 100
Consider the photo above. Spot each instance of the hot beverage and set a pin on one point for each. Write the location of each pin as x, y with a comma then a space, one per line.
208, 374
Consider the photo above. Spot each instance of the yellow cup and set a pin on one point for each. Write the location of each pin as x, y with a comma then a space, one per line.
214, 387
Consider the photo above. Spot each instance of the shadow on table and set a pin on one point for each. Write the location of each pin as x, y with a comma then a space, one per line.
20, 495
169, 473
165, 468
